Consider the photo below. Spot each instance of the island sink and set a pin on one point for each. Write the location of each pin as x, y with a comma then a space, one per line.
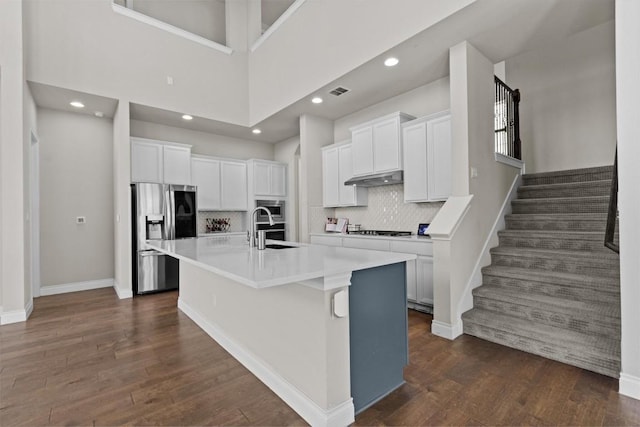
278, 246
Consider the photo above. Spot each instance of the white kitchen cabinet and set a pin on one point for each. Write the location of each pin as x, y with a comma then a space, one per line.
424, 280
337, 168
377, 145
146, 161
427, 158
233, 182
419, 272
222, 183
326, 240
267, 178
205, 174
176, 162
159, 161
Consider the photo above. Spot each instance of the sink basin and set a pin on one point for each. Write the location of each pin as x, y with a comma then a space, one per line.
278, 246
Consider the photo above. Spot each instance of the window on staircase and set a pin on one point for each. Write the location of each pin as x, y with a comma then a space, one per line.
507, 121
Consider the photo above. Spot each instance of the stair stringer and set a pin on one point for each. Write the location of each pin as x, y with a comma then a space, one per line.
484, 259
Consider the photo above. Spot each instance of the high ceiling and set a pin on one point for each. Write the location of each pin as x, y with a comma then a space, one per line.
500, 29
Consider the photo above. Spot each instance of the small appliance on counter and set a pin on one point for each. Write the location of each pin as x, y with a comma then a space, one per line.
159, 212
336, 225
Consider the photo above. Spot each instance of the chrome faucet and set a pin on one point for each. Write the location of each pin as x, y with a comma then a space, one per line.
252, 225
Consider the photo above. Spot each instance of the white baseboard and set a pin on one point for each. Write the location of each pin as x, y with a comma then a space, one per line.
76, 287
629, 385
16, 316
340, 415
122, 293
445, 330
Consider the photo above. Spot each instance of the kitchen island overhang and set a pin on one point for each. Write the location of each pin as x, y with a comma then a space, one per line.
274, 311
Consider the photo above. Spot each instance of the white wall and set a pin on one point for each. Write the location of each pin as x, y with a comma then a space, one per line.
459, 244
30, 125
76, 179
205, 18
122, 200
282, 70
204, 143
628, 93
86, 46
288, 152
14, 288
568, 111
315, 132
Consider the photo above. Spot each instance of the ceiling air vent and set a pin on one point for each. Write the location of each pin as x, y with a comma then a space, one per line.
339, 91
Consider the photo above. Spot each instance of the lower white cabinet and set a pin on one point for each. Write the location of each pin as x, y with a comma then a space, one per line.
337, 167
427, 158
419, 271
222, 183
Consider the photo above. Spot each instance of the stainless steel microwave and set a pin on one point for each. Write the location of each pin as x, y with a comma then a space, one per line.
276, 207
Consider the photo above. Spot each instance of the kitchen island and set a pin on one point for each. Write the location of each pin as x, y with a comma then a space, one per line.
324, 328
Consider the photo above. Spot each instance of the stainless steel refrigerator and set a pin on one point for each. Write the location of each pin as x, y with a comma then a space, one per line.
159, 212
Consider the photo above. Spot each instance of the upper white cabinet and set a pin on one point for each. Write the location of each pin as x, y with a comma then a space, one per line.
427, 158
337, 167
222, 183
158, 161
267, 178
377, 145
233, 179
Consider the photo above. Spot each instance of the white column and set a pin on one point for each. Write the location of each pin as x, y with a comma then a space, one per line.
627, 95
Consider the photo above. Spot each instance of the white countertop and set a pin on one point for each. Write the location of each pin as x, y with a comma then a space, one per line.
231, 257
412, 238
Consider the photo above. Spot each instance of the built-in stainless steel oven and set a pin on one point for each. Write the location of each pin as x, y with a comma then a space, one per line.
276, 207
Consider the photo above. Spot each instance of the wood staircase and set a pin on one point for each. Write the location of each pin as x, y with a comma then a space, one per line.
553, 288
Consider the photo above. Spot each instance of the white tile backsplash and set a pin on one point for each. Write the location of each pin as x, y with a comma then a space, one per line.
388, 211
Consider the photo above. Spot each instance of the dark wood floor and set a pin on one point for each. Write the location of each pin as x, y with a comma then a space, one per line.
89, 358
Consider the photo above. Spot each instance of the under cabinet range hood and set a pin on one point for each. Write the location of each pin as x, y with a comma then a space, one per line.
377, 180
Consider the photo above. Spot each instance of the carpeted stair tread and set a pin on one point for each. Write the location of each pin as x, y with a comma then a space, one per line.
554, 254
608, 285
599, 311
558, 221
569, 189
559, 239
588, 204
593, 352
572, 175
594, 263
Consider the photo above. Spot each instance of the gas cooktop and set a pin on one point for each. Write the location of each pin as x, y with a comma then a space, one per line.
381, 233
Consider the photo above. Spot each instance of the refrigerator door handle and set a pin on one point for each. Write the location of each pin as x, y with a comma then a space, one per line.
170, 202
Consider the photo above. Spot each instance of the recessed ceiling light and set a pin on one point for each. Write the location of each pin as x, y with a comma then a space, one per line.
316, 100
187, 117
257, 131
76, 104
390, 62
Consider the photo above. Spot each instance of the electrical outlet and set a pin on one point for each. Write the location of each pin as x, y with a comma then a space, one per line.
81, 220
474, 172
169, 80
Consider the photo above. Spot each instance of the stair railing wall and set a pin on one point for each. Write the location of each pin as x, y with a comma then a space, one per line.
612, 214
507, 120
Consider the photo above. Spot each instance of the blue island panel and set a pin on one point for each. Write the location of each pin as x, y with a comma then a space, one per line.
378, 332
